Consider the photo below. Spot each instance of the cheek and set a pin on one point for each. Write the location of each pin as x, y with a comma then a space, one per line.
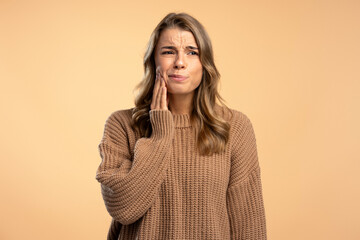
156, 59
162, 62
197, 71
197, 76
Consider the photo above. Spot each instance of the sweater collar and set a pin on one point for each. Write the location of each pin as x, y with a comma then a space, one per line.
181, 120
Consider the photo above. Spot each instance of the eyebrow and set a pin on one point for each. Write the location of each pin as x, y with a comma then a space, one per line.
174, 48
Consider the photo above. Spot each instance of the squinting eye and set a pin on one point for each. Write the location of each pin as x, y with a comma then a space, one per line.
167, 52
193, 53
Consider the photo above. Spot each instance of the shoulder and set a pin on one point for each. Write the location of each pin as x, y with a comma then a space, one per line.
120, 117
118, 127
119, 122
241, 130
240, 119
234, 117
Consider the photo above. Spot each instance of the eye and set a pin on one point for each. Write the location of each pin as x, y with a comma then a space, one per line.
167, 52
193, 53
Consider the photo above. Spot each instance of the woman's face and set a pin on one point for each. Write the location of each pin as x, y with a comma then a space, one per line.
177, 58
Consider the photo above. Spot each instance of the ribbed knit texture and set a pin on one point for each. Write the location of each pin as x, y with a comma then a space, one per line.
161, 188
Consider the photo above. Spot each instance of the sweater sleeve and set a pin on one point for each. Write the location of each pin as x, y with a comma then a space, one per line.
130, 183
244, 197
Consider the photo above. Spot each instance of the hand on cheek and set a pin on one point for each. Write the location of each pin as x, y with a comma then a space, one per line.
160, 98
162, 73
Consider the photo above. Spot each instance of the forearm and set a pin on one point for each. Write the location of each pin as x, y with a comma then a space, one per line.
246, 209
128, 194
130, 181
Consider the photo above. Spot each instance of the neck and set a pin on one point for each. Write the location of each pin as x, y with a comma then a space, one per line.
181, 104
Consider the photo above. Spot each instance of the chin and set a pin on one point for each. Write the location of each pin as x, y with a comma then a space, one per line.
179, 92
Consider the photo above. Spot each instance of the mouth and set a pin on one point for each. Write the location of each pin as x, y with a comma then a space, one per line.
178, 78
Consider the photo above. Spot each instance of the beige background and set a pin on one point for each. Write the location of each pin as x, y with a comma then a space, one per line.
291, 66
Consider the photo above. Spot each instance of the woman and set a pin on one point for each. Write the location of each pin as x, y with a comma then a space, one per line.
179, 165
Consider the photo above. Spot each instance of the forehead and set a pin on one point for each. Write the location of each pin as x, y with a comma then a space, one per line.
177, 37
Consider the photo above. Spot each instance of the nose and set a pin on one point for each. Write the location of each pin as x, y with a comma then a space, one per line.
179, 61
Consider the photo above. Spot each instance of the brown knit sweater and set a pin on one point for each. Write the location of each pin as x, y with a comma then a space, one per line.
161, 188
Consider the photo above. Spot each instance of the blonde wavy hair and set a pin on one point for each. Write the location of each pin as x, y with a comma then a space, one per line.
213, 131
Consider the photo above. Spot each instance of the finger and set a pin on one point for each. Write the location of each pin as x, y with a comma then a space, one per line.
158, 69
155, 91
163, 74
157, 82
163, 98
167, 98
158, 97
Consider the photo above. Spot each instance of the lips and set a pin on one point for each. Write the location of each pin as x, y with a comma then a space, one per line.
177, 77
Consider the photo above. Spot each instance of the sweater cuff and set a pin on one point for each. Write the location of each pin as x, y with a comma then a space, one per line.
161, 122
